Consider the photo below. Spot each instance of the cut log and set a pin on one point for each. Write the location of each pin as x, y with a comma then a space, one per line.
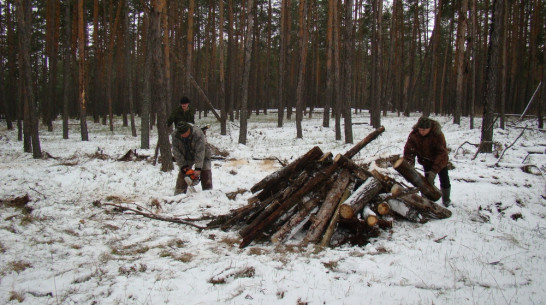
369, 216
372, 136
401, 209
292, 200
427, 207
335, 218
288, 170
327, 208
366, 192
409, 173
380, 207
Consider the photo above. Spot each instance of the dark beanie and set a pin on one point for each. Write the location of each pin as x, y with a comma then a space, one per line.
424, 123
182, 127
184, 100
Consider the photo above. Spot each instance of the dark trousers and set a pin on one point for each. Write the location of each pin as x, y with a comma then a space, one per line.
443, 175
206, 181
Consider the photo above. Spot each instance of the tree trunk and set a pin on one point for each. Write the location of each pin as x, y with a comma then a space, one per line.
329, 94
348, 62
128, 92
459, 54
81, 73
67, 66
24, 21
494, 49
146, 87
222, 95
158, 77
246, 73
189, 47
283, 60
375, 113
301, 76
409, 173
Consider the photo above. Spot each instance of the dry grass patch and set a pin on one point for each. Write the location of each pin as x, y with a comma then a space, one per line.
18, 266
184, 257
230, 241
225, 275
16, 296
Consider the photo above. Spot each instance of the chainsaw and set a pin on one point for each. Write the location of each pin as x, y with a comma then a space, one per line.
191, 179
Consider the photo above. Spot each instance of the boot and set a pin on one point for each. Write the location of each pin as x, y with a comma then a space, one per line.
181, 185
446, 192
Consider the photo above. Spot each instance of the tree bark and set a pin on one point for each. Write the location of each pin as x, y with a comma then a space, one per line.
294, 224
335, 218
326, 211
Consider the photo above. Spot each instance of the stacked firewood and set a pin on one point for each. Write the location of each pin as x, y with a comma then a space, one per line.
319, 196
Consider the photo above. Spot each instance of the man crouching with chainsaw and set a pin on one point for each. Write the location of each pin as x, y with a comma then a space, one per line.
189, 148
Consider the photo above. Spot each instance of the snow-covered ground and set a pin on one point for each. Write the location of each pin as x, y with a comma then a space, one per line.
71, 250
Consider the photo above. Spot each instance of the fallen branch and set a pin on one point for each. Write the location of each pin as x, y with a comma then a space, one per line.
151, 215
460, 146
502, 154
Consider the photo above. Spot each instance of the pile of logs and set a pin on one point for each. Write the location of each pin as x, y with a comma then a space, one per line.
329, 200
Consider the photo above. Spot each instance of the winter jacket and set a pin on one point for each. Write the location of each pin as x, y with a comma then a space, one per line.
430, 150
179, 115
192, 150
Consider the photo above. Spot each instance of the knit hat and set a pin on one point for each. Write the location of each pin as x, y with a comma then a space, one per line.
184, 100
182, 127
424, 123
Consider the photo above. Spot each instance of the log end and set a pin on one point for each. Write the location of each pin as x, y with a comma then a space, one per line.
383, 208
372, 220
346, 211
397, 189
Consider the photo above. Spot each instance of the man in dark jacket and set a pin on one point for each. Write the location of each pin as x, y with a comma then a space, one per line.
427, 142
189, 148
183, 113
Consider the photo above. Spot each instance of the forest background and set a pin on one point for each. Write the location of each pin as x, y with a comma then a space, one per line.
100, 60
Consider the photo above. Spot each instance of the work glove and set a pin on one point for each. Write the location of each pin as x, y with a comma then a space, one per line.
430, 177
